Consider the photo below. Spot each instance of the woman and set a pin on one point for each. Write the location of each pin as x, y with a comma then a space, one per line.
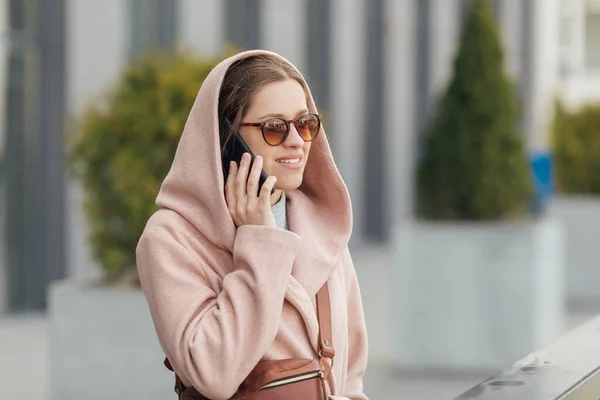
231, 274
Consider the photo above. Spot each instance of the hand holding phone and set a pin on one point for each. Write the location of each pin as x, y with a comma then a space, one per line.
248, 189
248, 205
233, 152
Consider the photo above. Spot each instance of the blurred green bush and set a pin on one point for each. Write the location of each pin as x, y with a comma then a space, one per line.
122, 147
474, 164
576, 145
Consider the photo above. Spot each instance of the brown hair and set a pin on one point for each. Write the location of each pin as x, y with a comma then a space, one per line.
242, 80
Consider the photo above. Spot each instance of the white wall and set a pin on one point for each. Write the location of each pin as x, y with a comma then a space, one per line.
347, 94
511, 29
578, 85
201, 26
572, 36
399, 51
593, 5
3, 72
577, 91
443, 43
592, 39
373, 265
544, 77
283, 29
97, 37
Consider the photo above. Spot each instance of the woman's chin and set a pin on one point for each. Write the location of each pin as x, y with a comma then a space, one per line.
288, 184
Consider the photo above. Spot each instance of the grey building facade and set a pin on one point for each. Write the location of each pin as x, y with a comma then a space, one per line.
375, 67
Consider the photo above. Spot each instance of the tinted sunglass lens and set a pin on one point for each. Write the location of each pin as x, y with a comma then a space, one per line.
308, 127
274, 131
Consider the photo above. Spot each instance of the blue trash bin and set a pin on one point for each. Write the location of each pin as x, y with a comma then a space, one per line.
542, 171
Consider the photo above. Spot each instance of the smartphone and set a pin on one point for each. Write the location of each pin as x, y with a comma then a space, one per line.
234, 151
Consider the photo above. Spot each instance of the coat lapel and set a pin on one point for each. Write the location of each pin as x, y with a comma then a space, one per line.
320, 253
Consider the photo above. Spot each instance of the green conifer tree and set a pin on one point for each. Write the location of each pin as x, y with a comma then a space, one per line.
474, 165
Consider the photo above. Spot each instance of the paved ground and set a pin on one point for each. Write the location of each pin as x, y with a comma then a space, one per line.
24, 356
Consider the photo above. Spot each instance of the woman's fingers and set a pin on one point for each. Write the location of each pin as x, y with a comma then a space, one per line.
241, 181
265, 191
230, 187
254, 177
247, 207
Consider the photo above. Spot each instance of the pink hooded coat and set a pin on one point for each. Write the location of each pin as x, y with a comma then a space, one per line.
222, 298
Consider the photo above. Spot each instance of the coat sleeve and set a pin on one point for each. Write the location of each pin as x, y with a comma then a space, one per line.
213, 340
357, 340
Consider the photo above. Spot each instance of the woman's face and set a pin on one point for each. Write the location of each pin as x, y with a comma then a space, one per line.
286, 100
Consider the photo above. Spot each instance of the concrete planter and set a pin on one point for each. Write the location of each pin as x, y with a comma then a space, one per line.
477, 296
580, 215
103, 345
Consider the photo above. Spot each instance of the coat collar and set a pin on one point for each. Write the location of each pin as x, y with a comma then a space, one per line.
324, 240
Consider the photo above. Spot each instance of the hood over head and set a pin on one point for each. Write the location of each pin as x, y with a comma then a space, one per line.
319, 211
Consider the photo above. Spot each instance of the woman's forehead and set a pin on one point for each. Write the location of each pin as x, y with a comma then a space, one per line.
284, 98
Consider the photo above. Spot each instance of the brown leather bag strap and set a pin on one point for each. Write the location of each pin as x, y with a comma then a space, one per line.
179, 386
190, 393
324, 316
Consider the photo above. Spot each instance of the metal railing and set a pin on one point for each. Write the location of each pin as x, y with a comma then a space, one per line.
568, 369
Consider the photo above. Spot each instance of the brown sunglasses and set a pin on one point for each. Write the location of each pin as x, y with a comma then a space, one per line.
276, 130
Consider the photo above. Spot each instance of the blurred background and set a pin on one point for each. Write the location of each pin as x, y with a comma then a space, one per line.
453, 290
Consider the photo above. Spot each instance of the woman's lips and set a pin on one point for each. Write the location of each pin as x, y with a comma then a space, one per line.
290, 162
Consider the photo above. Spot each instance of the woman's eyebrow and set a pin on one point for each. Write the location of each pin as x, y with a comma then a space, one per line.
279, 115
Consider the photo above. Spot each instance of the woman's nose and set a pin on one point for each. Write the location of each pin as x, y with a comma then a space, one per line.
294, 139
